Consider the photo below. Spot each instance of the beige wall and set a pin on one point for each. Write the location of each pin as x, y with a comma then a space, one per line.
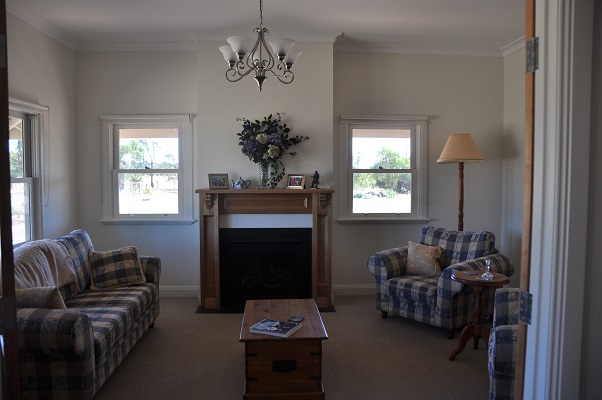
458, 94
513, 156
42, 71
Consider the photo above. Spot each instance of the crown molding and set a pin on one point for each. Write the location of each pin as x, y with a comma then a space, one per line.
40, 24
510, 48
329, 37
136, 46
404, 49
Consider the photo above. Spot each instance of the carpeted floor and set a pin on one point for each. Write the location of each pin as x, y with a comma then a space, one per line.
198, 356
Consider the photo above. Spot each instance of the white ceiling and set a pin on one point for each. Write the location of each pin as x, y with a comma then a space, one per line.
438, 26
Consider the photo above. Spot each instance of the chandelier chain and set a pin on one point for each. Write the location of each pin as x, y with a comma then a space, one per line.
260, 14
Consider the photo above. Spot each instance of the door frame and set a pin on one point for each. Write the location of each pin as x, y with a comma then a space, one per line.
562, 129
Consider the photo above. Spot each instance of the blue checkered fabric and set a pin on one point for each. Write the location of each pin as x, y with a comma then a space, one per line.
78, 245
69, 354
503, 344
437, 299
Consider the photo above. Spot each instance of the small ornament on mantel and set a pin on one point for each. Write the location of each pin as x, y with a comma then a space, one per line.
316, 181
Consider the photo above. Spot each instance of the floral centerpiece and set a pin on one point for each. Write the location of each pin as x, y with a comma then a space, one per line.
265, 143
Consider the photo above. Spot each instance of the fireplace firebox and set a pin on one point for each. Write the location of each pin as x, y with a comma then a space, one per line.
264, 263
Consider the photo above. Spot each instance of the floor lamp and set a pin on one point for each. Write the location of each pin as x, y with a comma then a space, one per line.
460, 148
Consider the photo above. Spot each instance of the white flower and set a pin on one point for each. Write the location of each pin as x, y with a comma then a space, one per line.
273, 152
262, 138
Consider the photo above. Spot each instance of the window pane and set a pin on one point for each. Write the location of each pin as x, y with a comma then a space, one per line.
15, 146
148, 193
381, 148
378, 193
154, 148
20, 212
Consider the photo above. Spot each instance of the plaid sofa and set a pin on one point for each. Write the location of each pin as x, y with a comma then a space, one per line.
437, 299
70, 353
502, 344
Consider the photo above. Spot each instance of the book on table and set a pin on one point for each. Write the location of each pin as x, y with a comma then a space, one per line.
275, 327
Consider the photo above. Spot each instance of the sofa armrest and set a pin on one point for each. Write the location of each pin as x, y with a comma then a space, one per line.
151, 266
387, 264
502, 361
55, 331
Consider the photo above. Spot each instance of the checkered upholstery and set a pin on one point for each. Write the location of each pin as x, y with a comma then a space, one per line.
69, 354
437, 299
502, 344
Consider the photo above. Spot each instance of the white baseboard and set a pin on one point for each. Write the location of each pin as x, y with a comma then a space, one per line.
179, 291
354, 289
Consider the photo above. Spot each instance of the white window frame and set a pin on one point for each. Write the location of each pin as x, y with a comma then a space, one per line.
110, 192
37, 118
418, 125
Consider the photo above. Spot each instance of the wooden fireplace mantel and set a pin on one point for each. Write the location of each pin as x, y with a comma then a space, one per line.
213, 203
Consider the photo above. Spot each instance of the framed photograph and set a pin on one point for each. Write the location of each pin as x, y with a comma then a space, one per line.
218, 181
295, 181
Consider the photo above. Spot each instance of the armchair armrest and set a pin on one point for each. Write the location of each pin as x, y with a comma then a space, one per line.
506, 307
387, 264
55, 331
151, 266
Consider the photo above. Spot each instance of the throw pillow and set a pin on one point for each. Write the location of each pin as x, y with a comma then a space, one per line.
39, 297
114, 268
423, 259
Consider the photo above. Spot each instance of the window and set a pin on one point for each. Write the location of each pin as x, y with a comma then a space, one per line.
147, 168
382, 168
26, 126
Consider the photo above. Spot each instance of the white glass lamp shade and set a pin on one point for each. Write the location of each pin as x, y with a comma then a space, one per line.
281, 46
292, 56
460, 148
229, 55
241, 44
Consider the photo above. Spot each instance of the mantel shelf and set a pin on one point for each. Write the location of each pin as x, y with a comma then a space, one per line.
214, 203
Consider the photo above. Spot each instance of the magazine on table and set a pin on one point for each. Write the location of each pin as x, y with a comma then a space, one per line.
274, 327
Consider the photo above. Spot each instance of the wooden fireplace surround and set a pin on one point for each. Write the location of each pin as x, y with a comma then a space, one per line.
213, 203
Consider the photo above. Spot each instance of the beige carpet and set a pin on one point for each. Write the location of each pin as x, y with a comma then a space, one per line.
198, 356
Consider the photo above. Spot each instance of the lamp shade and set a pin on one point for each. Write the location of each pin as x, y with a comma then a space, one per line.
292, 56
460, 148
241, 44
228, 53
281, 46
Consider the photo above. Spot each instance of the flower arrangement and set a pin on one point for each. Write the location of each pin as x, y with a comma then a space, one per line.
265, 143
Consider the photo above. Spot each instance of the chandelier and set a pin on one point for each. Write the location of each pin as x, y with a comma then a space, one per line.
259, 59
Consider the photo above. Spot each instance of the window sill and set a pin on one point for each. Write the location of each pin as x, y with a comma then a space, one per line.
383, 220
149, 221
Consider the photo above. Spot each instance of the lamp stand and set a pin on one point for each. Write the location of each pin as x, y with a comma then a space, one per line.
461, 196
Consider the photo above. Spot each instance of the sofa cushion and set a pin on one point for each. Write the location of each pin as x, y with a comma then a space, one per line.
39, 297
415, 288
78, 245
113, 268
113, 312
458, 245
423, 259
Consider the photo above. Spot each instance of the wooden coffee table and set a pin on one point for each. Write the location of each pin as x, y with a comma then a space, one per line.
283, 368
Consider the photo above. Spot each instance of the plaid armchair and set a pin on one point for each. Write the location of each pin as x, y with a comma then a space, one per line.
502, 344
436, 299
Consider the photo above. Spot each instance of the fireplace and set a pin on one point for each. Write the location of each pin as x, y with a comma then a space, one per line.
263, 263
250, 209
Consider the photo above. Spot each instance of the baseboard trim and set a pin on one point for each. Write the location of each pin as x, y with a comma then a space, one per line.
354, 289
179, 291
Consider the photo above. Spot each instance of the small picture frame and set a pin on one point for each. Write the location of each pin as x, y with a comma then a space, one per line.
295, 181
218, 181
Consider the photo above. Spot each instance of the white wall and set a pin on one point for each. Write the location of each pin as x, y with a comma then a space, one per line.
458, 94
513, 159
134, 83
42, 71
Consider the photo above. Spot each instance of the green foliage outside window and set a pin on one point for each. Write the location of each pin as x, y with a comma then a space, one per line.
390, 183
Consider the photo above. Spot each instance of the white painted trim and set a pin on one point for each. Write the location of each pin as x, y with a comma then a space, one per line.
136, 46
328, 37
407, 49
40, 24
560, 193
178, 291
518, 44
354, 289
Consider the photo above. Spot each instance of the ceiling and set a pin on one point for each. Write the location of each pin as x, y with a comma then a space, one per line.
437, 26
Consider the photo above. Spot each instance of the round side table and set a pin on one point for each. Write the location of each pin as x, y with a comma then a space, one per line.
476, 329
